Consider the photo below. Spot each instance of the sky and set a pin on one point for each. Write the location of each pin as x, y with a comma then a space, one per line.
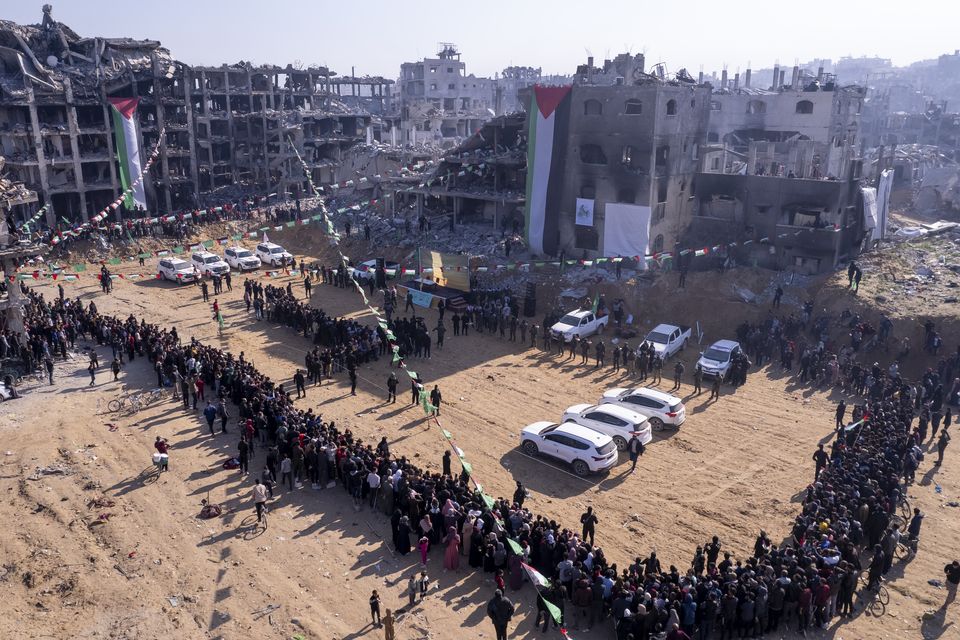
374, 37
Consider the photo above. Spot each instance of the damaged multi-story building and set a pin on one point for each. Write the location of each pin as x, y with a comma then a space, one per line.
781, 175
226, 130
439, 103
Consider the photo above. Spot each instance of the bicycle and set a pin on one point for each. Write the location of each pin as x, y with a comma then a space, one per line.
131, 404
149, 397
878, 590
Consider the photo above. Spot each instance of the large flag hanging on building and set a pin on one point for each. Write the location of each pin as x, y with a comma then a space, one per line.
128, 149
549, 118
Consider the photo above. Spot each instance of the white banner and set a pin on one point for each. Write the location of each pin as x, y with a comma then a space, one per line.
626, 230
883, 203
585, 212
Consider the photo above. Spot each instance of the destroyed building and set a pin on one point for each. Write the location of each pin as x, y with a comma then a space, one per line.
481, 181
227, 130
629, 150
439, 103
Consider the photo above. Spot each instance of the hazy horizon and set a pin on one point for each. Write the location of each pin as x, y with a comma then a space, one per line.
695, 35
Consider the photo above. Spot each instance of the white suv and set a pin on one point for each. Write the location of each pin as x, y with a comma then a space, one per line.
241, 259
176, 270
209, 263
614, 420
273, 254
661, 408
585, 450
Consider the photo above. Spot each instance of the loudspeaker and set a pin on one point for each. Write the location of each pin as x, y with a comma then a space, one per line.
530, 306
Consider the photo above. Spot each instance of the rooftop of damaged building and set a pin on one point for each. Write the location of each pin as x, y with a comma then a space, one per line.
627, 69
50, 52
13, 192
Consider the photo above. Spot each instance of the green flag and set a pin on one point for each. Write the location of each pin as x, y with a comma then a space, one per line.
514, 547
596, 302
555, 612
79, 268
114, 261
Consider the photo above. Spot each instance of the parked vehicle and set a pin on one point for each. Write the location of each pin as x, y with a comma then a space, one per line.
618, 422
718, 357
209, 264
582, 323
176, 270
668, 339
585, 450
273, 254
367, 270
660, 408
241, 259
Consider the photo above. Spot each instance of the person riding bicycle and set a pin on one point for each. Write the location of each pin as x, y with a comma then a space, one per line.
162, 447
259, 498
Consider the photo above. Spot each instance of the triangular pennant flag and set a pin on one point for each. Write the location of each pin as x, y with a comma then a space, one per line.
535, 576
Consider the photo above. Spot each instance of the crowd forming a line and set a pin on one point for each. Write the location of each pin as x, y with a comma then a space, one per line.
849, 512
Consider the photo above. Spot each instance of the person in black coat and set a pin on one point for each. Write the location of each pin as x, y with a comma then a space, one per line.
403, 536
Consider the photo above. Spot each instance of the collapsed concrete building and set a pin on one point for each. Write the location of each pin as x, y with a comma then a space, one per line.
480, 181
782, 173
439, 103
227, 130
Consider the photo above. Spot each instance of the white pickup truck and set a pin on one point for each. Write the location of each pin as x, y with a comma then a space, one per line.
668, 339
582, 323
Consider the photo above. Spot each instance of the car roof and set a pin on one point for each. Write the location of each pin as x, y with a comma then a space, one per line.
204, 254
579, 313
268, 244
584, 433
664, 328
620, 412
577, 408
725, 345
175, 262
237, 247
656, 395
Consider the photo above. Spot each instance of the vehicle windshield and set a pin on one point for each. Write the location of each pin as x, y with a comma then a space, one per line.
276, 250
211, 260
549, 429
244, 254
570, 319
716, 354
605, 449
180, 266
660, 338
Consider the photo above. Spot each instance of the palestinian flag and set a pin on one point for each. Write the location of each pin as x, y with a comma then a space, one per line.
548, 122
128, 150
536, 577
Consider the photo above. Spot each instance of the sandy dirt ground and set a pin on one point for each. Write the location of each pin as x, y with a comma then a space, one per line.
142, 565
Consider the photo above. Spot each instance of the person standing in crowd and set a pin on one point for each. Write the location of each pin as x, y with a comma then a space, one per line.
821, 459
942, 443
435, 398
589, 521
500, 610
300, 381
392, 388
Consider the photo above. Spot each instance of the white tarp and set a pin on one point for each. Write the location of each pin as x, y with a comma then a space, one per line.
626, 231
883, 203
870, 212
585, 212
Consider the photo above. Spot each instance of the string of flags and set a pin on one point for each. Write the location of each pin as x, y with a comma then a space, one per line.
429, 409
34, 219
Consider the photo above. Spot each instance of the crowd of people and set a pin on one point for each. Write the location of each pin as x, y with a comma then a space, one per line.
849, 512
